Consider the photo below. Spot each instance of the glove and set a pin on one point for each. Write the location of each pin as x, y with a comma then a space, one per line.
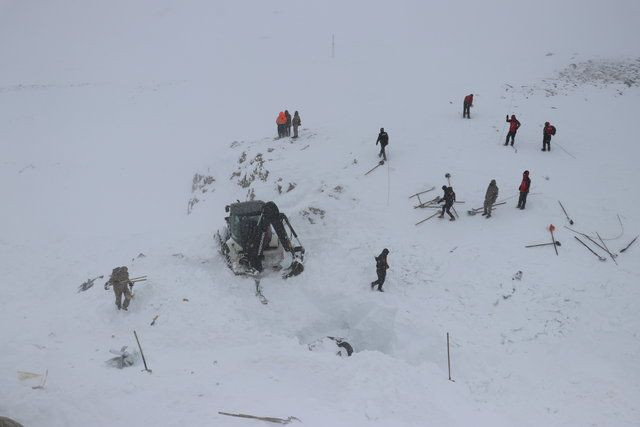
106, 286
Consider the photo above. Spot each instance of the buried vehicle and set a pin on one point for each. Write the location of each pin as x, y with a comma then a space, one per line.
255, 237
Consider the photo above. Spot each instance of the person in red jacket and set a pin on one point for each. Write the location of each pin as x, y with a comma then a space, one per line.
466, 106
524, 189
514, 125
546, 136
281, 121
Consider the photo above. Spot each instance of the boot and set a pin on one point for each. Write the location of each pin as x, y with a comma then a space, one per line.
544, 149
488, 216
452, 219
484, 214
373, 284
380, 289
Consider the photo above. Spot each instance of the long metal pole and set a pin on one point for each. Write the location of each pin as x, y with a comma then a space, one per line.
141, 353
448, 358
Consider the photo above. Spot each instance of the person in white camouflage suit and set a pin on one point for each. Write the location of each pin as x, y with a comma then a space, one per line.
490, 198
120, 281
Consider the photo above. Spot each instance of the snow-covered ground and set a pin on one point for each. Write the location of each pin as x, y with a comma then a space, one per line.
116, 116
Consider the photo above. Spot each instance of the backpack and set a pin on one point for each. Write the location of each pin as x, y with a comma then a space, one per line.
553, 130
120, 274
451, 195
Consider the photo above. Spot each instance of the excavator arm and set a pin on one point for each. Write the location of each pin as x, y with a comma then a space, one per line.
272, 217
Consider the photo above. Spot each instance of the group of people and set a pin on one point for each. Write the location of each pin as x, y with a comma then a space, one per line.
449, 196
514, 124
285, 122
547, 132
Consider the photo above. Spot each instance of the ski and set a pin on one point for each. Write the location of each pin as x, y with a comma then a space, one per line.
591, 250
553, 239
380, 163
478, 210
630, 243
422, 192
565, 213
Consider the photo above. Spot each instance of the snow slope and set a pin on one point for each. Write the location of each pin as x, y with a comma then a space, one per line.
108, 110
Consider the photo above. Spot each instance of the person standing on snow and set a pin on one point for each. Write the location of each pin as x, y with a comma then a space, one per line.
449, 199
547, 132
514, 125
466, 106
381, 269
281, 121
383, 139
120, 281
287, 125
296, 122
490, 198
524, 189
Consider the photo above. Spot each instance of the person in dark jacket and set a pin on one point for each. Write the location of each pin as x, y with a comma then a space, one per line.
524, 189
490, 198
383, 139
121, 287
381, 269
547, 132
287, 124
466, 106
296, 122
514, 125
449, 199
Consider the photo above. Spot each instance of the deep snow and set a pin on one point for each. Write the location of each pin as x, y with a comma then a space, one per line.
108, 110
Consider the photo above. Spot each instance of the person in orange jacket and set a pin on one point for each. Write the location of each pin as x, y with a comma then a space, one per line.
281, 121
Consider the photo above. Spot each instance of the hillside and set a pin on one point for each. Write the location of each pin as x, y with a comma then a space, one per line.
115, 117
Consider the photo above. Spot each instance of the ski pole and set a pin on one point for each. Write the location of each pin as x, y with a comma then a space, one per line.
594, 242
630, 243
551, 228
606, 249
565, 213
380, 163
418, 223
592, 251
557, 242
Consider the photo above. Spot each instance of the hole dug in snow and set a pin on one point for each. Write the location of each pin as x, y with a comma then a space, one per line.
364, 327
